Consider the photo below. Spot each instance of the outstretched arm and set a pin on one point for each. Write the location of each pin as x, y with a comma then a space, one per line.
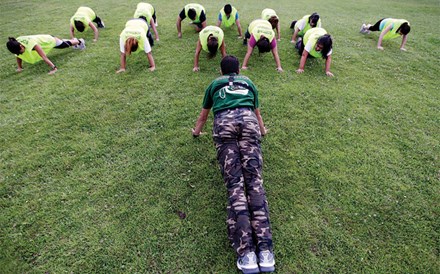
72, 32
327, 66
276, 57
278, 31
19, 64
237, 22
197, 55
223, 48
402, 46
295, 34
302, 63
151, 61
263, 129
40, 52
95, 31
123, 63
153, 25
179, 26
201, 121
247, 56
382, 35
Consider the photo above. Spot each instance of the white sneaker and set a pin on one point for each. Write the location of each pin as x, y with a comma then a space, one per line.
248, 263
82, 44
266, 261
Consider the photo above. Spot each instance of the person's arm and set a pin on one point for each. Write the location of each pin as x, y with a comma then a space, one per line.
95, 31
382, 35
219, 20
151, 61
246, 57
223, 48
197, 55
278, 31
263, 129
240, 35
295, 34
402, 46
123, 63
179, 26
203, 25
327, 66
72, 32
302, 63
40, 52
19, 64
201, 121
276, 57
154, 29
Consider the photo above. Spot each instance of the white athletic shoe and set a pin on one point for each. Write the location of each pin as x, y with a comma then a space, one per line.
82, 44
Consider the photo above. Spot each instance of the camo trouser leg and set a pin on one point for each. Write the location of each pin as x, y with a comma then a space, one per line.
237, 138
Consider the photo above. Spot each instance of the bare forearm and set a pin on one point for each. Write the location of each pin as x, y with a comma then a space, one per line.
260, 122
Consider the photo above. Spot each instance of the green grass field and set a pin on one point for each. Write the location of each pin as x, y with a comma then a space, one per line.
99, 172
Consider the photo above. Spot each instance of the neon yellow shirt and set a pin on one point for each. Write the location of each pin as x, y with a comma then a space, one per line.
228, 22
198, 8
266, 14
45, 41
84, 15
261, 27
312, 37
144, 9
305, 25
206, 32
396, 23
136, 28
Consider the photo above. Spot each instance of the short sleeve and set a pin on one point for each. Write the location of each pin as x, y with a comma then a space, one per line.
182, 14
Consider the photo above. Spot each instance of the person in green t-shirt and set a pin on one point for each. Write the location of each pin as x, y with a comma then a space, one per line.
389, 28
84, 18
34, 48
237, 132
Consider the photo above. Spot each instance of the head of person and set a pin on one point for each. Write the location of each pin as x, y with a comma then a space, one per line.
14, 46
192, 14
143, 17
273, 21
324, 45
404, 29
263, 44
79, 26
230, 64
131, 45
313, 19
227, 9
212, 46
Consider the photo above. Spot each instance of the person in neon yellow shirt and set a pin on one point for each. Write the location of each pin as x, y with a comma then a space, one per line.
227, 17
390, 28
210, 40
316, 43
146, 11
196, 13
271, 16
34, 48
133, 39
301, 26
83, 19
261, 35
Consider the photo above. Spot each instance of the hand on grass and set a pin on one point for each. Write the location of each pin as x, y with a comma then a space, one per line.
152, 68
328, 73
53, 71
179, 35
194, 134
403, 49
299, 71
244, 68
120, 70
279, 69
379, 47
19, 70
195, 69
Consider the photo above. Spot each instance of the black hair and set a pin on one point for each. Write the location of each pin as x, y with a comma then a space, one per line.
292, 25
192, 14
230, 64
79, 26
404, 29
13, 45
313, 18
273, 21
212, 46
263, 45
143, 17
327, 43
228, 8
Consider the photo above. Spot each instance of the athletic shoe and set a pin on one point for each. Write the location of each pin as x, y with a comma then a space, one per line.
82, 44
248, 263
245, 42
101, 25
266, 261
364, 29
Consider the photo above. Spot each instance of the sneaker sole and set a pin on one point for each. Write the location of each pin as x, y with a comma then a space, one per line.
249, 270
267, 268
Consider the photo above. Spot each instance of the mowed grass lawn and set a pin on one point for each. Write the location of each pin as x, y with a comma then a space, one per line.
99, 172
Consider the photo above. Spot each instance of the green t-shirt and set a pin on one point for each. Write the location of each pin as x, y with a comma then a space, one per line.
231, 91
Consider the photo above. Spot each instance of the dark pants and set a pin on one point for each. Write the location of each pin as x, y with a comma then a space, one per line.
376, 26
237, 137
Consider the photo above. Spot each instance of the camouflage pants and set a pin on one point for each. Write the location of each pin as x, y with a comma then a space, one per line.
237, 137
